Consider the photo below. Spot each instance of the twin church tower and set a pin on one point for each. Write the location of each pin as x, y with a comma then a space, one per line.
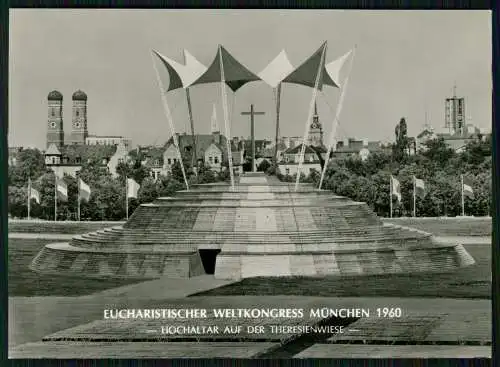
55, 129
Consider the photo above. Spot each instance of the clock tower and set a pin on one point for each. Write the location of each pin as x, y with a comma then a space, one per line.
79, 130
55, 131
315, 130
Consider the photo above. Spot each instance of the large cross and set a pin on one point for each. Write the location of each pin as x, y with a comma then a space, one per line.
252, 113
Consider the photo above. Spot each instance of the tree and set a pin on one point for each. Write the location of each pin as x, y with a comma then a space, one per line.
30, 164
438, 154
148, 190
401, 147
263, 166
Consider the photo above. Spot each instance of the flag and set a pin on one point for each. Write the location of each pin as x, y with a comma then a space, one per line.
34, 194
467, 187
419, 186
83, 190
62, 189
132, 188
396, 188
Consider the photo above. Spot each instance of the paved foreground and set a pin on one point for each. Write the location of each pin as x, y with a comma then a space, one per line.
465, 323
31, 318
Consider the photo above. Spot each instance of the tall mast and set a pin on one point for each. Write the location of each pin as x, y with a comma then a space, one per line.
278, 99
194, 158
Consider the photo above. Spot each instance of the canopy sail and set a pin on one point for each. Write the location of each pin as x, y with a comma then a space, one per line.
277, 70
236, 75
181, 76
305, 74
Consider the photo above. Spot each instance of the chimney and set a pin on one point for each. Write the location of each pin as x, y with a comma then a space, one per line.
346, 142
365, 142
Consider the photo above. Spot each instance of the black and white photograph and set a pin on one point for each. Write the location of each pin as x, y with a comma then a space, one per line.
236, 183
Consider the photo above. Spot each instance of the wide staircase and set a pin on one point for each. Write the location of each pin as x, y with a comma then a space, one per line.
260, 227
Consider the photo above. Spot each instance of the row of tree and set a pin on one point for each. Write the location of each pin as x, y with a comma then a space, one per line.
439, 166
107, 199
368, 181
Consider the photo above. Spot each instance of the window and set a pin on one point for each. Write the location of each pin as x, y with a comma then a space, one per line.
77, 113
175, 160
311, 170
169, 161
53, 112
216, 160
210, 159
287, 171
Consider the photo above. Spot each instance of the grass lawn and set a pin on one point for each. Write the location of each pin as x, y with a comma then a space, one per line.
469, 282
24, 282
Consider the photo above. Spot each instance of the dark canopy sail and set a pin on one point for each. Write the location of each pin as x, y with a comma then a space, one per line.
305, 74
236, 75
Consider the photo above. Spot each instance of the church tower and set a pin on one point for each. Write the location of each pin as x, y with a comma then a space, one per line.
315, 130
55, 131
79, 130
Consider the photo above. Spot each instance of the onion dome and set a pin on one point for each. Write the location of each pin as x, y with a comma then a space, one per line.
55, 96
79, 96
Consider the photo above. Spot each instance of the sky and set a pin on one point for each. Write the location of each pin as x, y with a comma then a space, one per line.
406, 65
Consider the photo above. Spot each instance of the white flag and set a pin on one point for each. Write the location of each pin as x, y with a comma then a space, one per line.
132, 188
62, 189
34, 194
467, 187
84, 190
419, 186
396, 188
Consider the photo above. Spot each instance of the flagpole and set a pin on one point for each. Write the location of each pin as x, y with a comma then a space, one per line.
309, 116
414, 196
278, 101
168, 114
29, 197
194, 158
55, 198
78, 184
463, 201
390, 195
336, 119
226, 114
126, 197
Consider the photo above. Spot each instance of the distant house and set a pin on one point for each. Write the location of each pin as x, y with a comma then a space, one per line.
108, 140
457, 140
70, 158
423, 137
289, 164
211, 150
357, 148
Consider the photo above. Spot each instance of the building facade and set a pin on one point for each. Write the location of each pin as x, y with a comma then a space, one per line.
79, 129
55, 127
